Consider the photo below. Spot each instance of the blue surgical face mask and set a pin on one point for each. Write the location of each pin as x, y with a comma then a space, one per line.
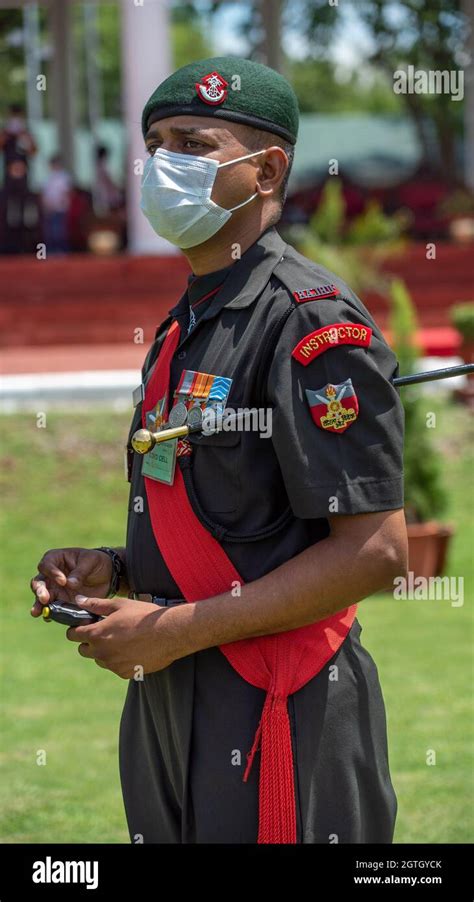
176, 197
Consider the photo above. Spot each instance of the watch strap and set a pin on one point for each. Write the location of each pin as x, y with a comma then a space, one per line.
117, 569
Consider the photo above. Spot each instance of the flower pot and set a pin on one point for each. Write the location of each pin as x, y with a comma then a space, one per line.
427, 547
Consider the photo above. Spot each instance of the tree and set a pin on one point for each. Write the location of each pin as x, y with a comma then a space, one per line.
265, 21
189, 40
320, 90
187, 35
428, 36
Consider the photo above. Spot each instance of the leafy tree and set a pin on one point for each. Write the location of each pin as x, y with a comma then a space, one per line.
189, 40
188, 43
12, 74
319, 90
428, 36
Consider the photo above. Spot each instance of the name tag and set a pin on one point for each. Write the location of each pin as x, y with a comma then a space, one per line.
160, 462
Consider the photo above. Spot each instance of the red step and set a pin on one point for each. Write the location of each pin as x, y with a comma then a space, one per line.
84, 299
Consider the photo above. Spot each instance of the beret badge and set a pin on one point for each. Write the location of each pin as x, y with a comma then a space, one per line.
212, 88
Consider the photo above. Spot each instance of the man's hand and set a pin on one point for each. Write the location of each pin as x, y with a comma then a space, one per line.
63, 572
135, 638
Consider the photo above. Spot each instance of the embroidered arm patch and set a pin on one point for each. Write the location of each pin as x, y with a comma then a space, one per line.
331, 336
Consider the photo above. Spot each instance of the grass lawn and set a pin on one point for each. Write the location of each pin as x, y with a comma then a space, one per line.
64, 485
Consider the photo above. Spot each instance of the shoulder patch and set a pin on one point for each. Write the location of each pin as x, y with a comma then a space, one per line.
333, 407
331, 336
315, 294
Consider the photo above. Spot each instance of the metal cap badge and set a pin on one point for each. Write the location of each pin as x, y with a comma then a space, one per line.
212, 88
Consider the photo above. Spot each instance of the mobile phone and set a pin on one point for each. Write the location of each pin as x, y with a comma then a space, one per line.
69, 614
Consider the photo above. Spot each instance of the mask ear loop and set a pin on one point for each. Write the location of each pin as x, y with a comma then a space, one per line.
238, 159
243, 204
246, 157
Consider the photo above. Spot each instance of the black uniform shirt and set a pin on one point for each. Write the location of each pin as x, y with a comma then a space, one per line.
201, 290
268, 498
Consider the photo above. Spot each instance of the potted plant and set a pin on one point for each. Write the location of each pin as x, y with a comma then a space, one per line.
458, 207
425, 498
356, 251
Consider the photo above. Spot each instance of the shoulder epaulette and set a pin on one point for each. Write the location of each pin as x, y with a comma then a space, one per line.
305, 280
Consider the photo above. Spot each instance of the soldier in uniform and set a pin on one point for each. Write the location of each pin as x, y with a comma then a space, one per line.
253, 712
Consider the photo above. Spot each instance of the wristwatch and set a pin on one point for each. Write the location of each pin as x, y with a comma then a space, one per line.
118, 570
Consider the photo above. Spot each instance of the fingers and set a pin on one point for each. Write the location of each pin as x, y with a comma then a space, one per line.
79, 633
86, 651
42, 596
38, 587
48, 568
100, 606
80, 574
37, 609
89, 565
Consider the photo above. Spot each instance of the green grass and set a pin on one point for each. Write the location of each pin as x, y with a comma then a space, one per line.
423, 651
64, 485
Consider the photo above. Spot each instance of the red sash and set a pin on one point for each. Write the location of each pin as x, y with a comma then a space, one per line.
281, 664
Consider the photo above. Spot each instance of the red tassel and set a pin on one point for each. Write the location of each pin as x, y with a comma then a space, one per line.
251, 754
277, 803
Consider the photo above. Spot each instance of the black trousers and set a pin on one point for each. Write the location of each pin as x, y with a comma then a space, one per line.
185, 732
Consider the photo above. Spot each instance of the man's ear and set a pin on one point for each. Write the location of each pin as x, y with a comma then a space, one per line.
273, 167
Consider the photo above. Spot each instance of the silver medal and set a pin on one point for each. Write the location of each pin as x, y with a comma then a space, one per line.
178, 415
195, 417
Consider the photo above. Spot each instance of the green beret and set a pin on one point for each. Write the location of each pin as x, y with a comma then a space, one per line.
226, 87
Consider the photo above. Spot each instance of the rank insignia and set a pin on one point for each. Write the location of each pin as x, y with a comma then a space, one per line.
333, 407
315, 343
212, 88
316, 294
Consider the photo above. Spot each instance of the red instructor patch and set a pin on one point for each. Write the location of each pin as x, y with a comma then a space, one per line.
331, 336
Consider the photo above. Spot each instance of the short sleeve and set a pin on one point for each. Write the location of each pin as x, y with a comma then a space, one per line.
337, 419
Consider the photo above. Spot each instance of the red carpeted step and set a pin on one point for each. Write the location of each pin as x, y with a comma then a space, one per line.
89, 300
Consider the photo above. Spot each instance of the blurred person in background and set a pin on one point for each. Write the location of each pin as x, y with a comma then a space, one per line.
16, 142
55, 199
19, 213
107, 195
18, 206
